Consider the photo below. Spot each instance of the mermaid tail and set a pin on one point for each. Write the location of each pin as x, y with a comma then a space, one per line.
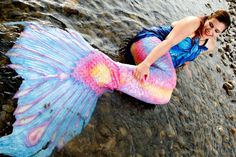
63, 78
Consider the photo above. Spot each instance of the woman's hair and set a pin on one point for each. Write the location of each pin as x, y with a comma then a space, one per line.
221, 15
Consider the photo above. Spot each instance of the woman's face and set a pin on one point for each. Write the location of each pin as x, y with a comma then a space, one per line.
212, 28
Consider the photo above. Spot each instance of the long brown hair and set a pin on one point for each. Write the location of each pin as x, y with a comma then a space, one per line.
221, 15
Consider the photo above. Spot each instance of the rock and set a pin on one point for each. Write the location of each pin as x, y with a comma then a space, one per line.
8, 108
218, 69
162, 134
220, 50
228, 86
231, 117
149, 132
181, 141
170, 131
211, 54
162, 152
2, 125
233, 66
218, 138
105, 132
110, 144
233, 131
138, 155
223, 56
3, 115
233, 55
225, 64
233, 100
3, 60
230, 92
123, 131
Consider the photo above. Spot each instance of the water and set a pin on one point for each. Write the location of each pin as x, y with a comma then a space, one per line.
105, 23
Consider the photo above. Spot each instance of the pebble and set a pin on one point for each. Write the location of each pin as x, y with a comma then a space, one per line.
233, 131
138, 155
170, 131
123, 131
218, 69
225, 64
2, 125
8, 108
3, 115
110, 144
105, 132
220, 50
233, 66
228, 86
149, 132
223, 56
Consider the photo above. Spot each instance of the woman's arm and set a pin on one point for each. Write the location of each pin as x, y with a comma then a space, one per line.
211, 44
182, 29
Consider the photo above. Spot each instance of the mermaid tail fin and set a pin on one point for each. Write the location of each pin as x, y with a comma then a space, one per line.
53, 106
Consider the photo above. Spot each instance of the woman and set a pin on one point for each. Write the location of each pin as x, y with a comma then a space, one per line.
184, 39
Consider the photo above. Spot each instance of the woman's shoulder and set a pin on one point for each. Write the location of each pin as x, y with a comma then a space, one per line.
211, 44
188, 19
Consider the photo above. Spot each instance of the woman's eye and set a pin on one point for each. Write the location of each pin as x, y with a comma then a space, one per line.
211, 25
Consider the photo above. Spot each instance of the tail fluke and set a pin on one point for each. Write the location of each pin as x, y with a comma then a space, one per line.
53, 105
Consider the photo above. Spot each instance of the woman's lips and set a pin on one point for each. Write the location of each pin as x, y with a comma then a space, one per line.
207, 33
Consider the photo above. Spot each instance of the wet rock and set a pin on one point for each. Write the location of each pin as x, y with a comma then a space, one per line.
123, 131
233, 100
162, 134
181, 141
8, 108
225, 64
138, 155
2, 125
218, 69
231, 59
229, 86
110, 144
233, 65
104, 131
149, 132
3, 116
220, 50
218, 138
170, 131
223, 56
233, 131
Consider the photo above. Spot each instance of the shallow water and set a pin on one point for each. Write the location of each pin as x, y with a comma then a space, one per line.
123, 126
105, 23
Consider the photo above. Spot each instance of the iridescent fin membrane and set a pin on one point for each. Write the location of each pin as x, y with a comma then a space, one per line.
53, 107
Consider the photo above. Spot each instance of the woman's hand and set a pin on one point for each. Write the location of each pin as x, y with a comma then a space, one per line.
142, 70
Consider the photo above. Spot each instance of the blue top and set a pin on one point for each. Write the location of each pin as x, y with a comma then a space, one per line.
186, 50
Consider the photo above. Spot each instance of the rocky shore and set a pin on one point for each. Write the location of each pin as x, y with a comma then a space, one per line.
200, 119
